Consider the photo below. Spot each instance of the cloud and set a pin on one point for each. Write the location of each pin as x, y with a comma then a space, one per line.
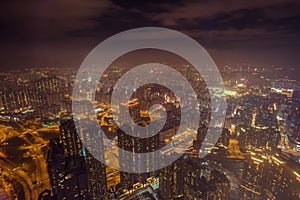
205, 9
46, 20
55, 31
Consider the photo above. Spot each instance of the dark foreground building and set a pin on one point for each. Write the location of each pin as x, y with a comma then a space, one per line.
74, 173
192, 178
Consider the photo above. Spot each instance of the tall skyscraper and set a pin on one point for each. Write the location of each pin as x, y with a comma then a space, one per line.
73, 153
191, 177
68, 174
252, 179
71, 142
171, 180
268, 176
136, 145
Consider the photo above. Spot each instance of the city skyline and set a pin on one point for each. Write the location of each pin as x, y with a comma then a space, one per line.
150, 100
258, 149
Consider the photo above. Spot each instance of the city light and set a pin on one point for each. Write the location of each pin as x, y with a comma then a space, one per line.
149, 100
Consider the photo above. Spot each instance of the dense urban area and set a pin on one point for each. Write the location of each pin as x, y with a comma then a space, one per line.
256, 157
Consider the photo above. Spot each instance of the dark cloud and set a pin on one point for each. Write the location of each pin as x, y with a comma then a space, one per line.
32, 19
62, 32
148, 5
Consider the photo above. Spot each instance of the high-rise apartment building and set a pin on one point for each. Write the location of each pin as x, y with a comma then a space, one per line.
191, 177
68, 174
72, 151
269, 176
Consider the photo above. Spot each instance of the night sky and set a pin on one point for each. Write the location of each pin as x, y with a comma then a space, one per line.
62, 32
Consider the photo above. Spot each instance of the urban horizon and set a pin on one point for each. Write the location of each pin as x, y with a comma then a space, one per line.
119, 100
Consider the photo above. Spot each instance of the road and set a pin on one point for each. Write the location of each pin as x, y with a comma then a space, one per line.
12, 171
33, 184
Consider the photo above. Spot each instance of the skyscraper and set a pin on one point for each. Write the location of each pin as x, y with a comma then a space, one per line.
191, 177
268, 176
73, 153
68, 174
136, 145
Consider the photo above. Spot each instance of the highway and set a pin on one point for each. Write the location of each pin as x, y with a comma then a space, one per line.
11, 171
35, 183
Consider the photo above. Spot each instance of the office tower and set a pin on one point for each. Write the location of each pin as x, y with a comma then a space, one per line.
201, 133
243, 114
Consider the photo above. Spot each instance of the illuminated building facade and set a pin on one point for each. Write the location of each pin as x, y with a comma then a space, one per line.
137, 145
258, 137
171, 181
260, 131
252, 177
269, 177
193, 178
47, 95
14, 98
44, 95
